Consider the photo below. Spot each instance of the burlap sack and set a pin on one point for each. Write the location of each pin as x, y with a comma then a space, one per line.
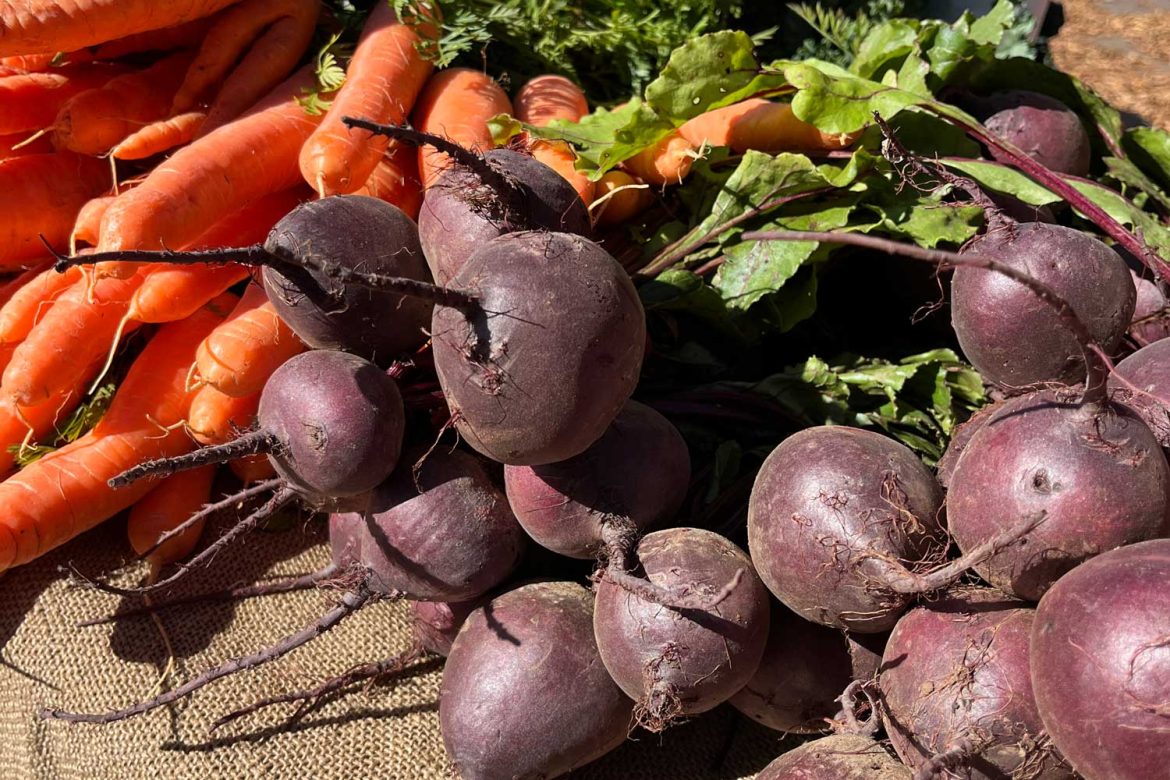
390, 731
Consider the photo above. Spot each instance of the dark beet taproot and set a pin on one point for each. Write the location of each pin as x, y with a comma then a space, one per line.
635, 475
805, 669
461, 211
1093, 470
840, 757
956, 690
825, 498
524, 694
679, 662
1016, 339
1101, 663
537, 370
1042, 127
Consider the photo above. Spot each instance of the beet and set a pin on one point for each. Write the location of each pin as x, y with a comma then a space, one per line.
452, 541
840, 757
524, 694
1042, 127
955, 682
1101, 663
551, 352
1095, 471
805, 669
437, 623
635, 475
1151, 313
1142, 383
823, 497
461, 212
1011, 336
679, 662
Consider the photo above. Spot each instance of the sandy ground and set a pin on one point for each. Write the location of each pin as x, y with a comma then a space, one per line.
1121, 48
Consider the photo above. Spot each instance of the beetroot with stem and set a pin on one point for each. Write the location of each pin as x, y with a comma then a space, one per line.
804, 672
680, 662
956, 690
1040, 126
1100, 663
524, 693
840, 757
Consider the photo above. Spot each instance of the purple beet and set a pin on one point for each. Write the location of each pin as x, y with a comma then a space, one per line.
1151, 313
840, 757
957, 693
1142, 383
1042, 127
524, 693
1101, 663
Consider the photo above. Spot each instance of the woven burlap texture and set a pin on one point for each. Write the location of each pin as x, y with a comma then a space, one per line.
389, 731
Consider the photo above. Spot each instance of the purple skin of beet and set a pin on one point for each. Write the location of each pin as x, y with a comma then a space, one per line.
524, 694
1142, 383
338, 420
634, 476
1042, 127
1101, 663
350, 229
805, 668
1015, 339
680, 662
824, 496
454, 541
460, 213
840, 757
437, 623
1151, 314
1096, 472
957, 671
538, 373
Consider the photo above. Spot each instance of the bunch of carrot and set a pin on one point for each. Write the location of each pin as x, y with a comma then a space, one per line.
209, 82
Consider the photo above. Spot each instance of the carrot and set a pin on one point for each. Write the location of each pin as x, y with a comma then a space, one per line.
382, 82
87, 226
620, 197
238, 356
761, 125
395, 180
667, 162
65, 493
164, 508
97, 119
19, 424
34, 26
21, 312
539, 102
74, 331
159, 136
179, 36
212, 177
172, 292
216, 418
456, 103
17, 283
20, 144
40, 194
31, 101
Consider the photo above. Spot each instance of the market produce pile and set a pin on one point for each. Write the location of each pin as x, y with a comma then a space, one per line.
835, 391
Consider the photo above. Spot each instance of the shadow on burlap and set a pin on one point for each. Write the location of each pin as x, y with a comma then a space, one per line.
390, 731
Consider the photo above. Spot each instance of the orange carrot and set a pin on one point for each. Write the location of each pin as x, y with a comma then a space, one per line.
159, 136
97, 119
761, 125
383, 80
216, 418
239, 356
172, 292
40, 194
32, 101
17, 283
66, 493
20, 144
75, 330
629, 198
395, 180
24, 309
539, 102
667, 162
180, 36
35, 26
212, 177
87, 226
456, 104
166, 507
